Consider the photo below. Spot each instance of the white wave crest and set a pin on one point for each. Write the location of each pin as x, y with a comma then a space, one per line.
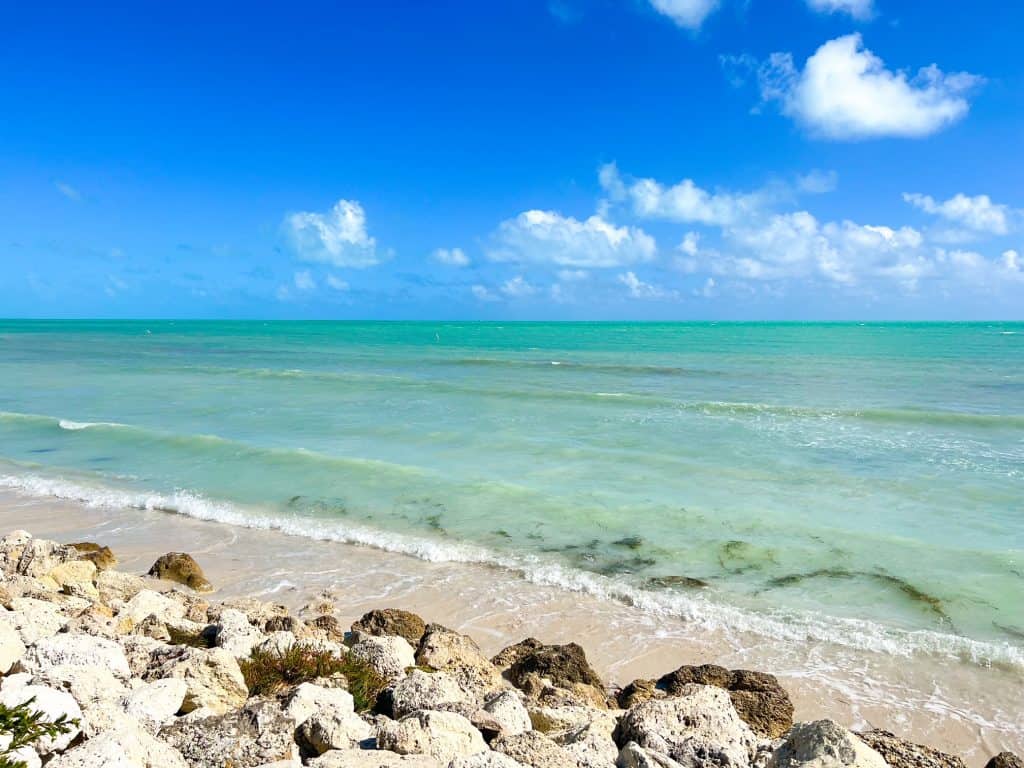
698, 610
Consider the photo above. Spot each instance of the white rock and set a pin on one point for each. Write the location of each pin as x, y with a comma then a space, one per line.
699, 727
115, 586
824, 744
11, 646
34, 619
79, 574
331, 728
372, 758
534, 749
276, 642
213, 678
76, 651
307, 698
427, 690
94, 688
442, 735
592, 745
508, 710
390, 656
147, 603
635, 756
235, 634
485, 760
152, 704
126, 747
50, 702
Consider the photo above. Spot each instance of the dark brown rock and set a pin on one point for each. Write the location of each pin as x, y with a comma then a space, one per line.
563, 665
758, 698
102, 557
392, 621
1005, 760
509, 655
899, 753
330, 626
637, 692
182, 568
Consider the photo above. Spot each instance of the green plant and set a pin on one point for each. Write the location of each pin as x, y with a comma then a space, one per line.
271, 671
25, 726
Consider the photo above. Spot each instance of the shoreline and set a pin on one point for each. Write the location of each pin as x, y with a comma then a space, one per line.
957, 708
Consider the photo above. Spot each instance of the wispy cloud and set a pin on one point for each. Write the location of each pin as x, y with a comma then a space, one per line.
67, 190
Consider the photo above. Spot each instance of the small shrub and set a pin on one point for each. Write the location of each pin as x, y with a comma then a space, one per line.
269, 672
26, 726
201, 639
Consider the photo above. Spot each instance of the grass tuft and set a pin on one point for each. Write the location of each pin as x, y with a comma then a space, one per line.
269, 672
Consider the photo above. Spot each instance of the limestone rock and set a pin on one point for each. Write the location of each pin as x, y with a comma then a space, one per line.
308, 698
102, 557
235, 634
326, 719
633, 755
372, 758
182, 568
116, 587
51, 702
697, 727
442, 735
563, 665
258, 733
391, 621
11, 647
592, 745
1005, 760
76, 577
95, 689
22, 554
423, 690
508, 711
899, 753
824, 744
485, 760
126, 747
509, 655
34, 619
76, 651
146, 603
213, 678
534, 749
153, 704
762, 703
459, 655
389, 656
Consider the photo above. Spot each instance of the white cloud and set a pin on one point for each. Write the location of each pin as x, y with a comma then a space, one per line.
978, 213
547, 237
67, 190
858, 9
337, 283
452, 257
684, 201
304, 281
690, 244
338, 237
638, 289
1011, 261
689, 14
708, 290
846, 92
817, 182
517, 288
572, 275
483, 293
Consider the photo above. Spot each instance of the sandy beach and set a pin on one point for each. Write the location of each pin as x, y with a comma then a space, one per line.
955, 707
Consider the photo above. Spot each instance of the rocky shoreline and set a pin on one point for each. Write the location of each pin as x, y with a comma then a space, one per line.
150, 673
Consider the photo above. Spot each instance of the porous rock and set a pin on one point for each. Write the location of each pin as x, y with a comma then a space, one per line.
824, 744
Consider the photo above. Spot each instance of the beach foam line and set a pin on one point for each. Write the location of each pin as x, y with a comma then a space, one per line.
698, 611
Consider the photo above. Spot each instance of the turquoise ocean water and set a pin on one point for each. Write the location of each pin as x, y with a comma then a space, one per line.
862, 484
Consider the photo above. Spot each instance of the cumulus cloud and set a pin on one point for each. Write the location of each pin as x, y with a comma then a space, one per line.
638, 289
978, 213
517, 288
336, 283
684, 201
688, 14
337, 237
304, 281
482, 293
846, 92
451, 257
858, 9
547, 237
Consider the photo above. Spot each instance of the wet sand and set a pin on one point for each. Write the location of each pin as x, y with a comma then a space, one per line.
953, 706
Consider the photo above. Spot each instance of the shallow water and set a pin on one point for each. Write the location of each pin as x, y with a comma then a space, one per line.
855, 484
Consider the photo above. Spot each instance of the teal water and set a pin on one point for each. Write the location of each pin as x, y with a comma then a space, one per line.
862, 484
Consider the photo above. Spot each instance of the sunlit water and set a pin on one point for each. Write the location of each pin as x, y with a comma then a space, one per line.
860, 484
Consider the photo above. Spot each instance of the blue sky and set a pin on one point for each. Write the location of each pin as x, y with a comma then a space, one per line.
577, 159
